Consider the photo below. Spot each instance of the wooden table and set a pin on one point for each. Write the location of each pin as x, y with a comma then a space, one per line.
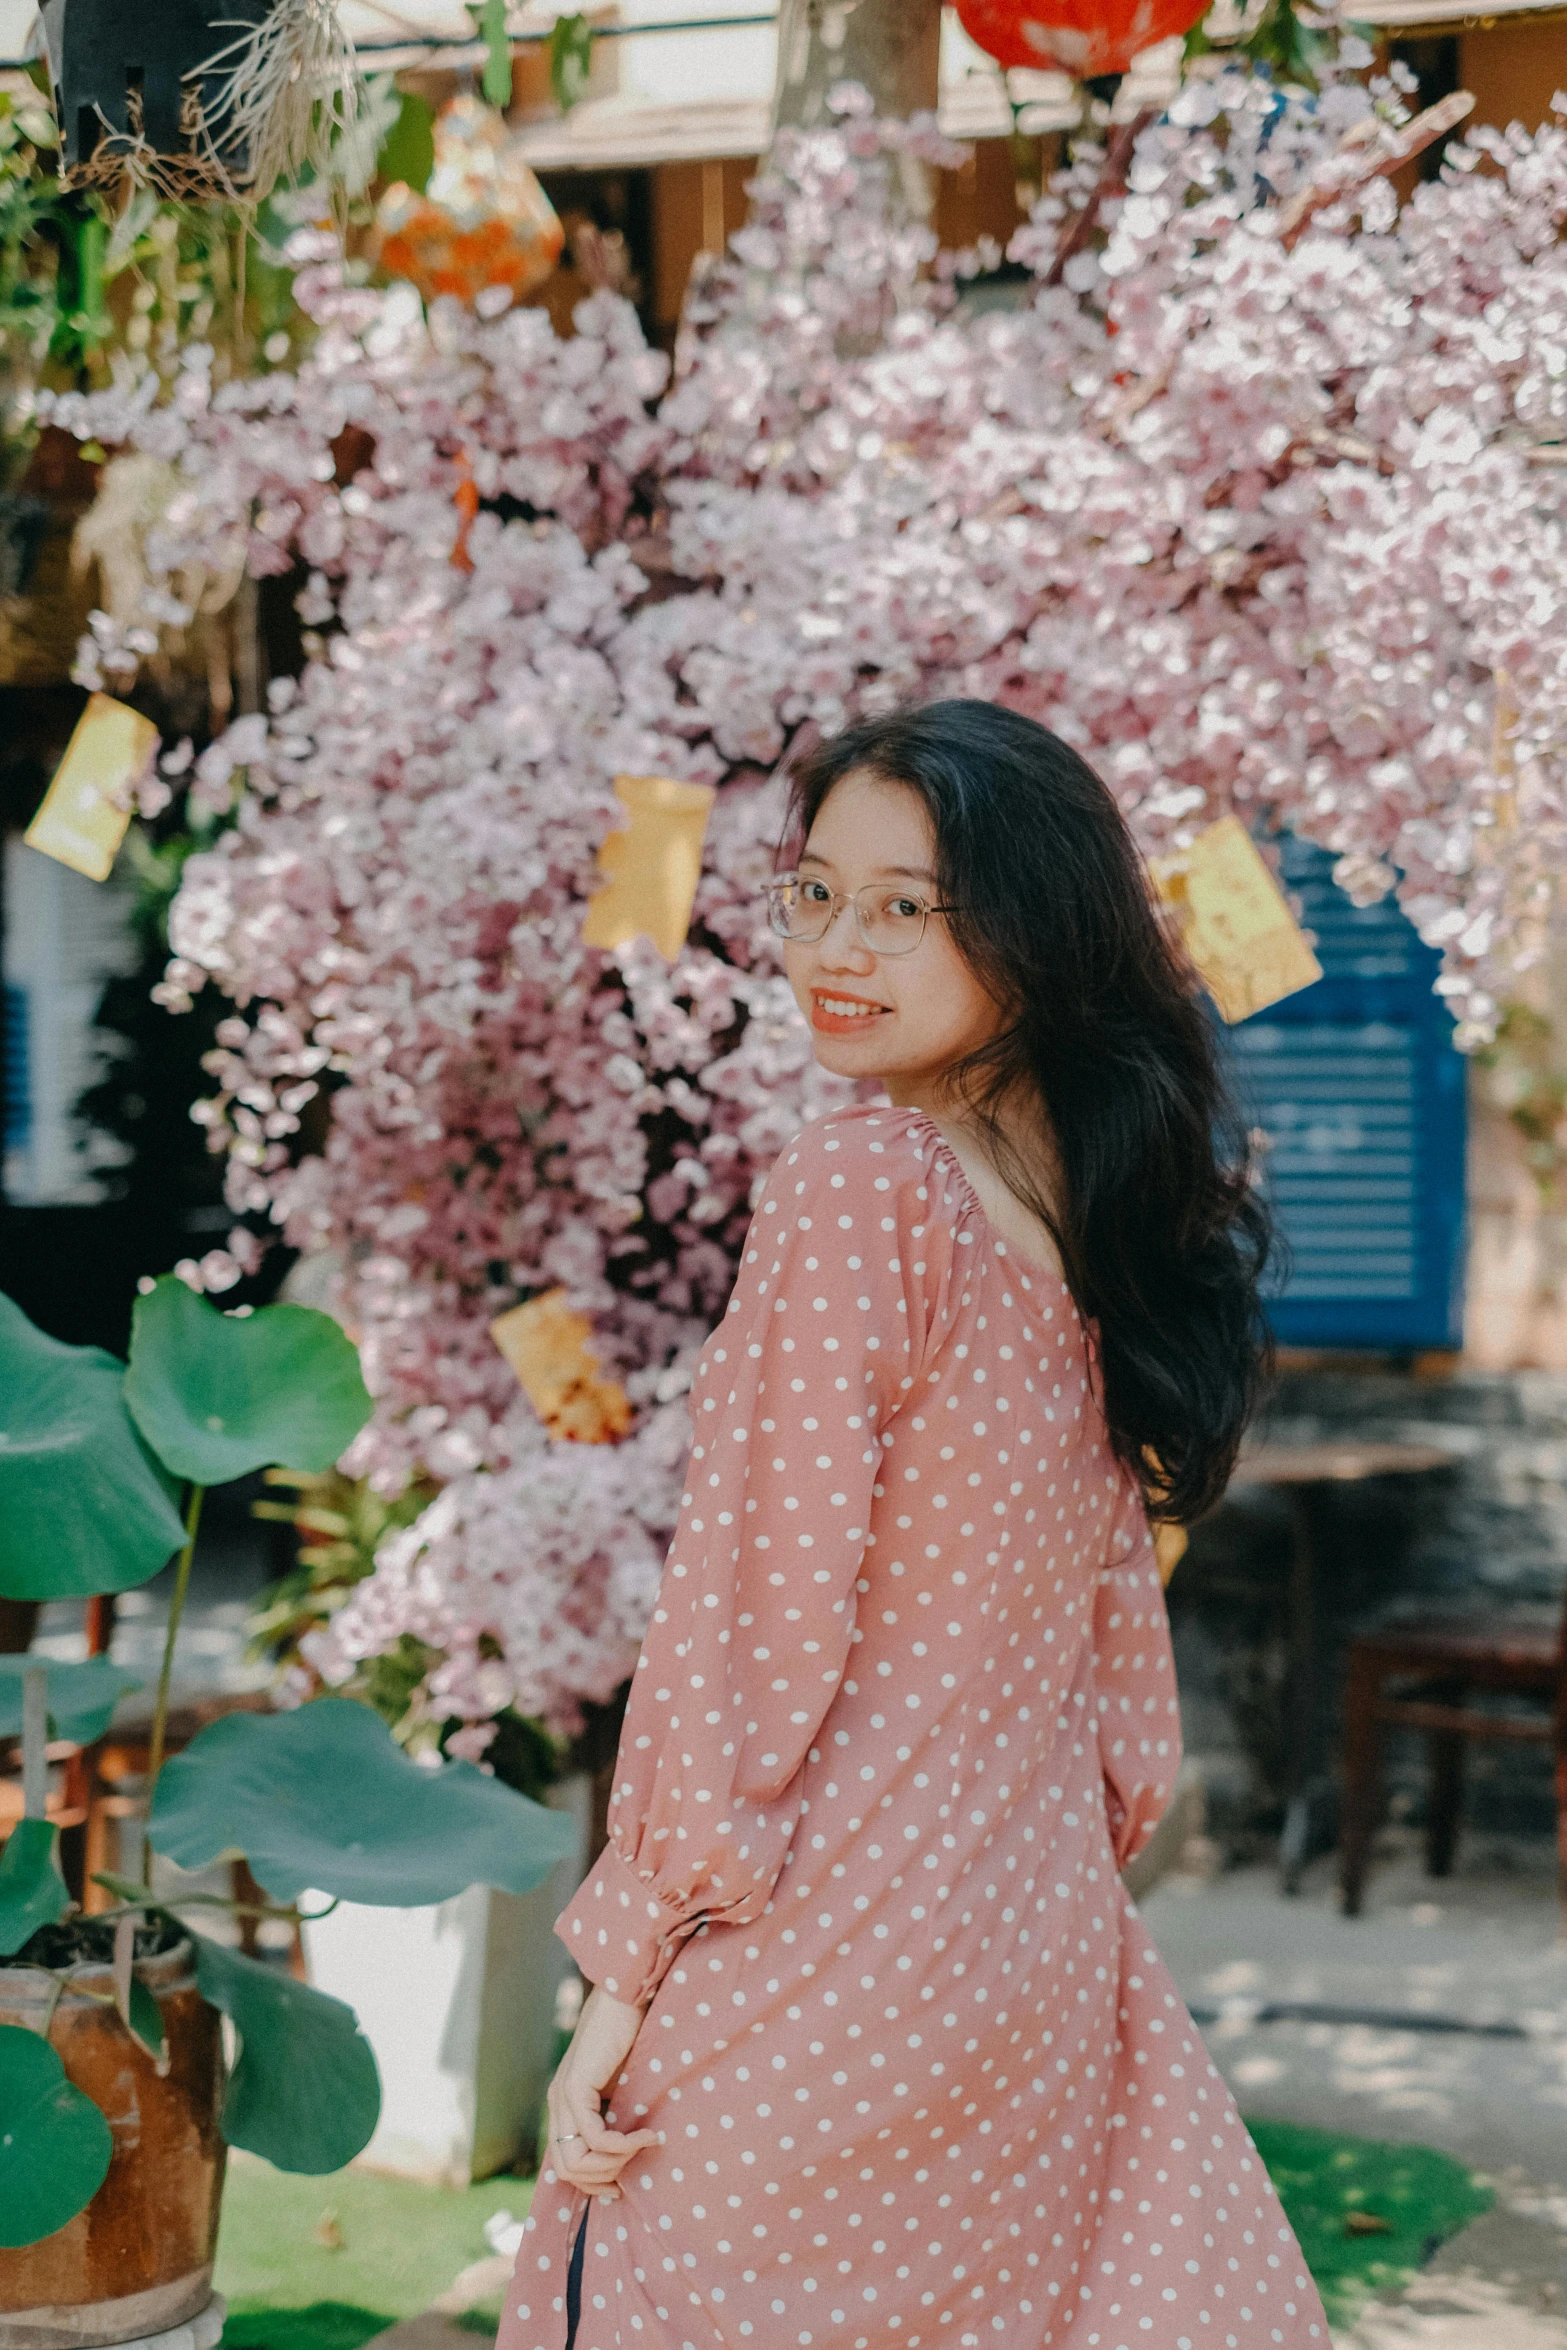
1302, 1472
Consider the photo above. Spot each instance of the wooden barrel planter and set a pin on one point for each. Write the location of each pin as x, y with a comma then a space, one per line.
138, 2259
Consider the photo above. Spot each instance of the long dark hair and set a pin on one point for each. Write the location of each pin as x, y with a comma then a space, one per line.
1161, 1234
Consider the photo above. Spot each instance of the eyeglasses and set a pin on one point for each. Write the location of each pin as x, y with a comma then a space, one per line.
889, 921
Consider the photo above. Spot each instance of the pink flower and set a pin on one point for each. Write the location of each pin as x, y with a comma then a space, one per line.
1255, 528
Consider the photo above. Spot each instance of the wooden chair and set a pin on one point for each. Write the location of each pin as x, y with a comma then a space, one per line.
118, 1770
100, 1785
118, 1767
1421, 1676
69, 1799
67, 1808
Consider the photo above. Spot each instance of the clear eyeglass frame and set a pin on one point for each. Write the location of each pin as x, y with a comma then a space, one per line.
880, 930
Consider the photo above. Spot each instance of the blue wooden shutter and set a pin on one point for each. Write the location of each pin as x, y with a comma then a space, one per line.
1357, 1086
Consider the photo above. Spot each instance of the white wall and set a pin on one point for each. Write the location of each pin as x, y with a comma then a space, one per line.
20, 35
458, 2002
722, 65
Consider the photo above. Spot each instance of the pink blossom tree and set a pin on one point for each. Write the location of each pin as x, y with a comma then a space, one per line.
1254, 498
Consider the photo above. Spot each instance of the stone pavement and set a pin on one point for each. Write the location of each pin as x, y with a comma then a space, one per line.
441, 2326
1440, 2016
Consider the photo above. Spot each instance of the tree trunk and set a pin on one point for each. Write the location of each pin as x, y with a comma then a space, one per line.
891, 47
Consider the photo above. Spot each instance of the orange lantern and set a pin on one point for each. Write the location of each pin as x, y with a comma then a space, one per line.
482, 221
1080, 37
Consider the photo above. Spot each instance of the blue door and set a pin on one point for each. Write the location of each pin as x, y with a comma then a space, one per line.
1357, 1087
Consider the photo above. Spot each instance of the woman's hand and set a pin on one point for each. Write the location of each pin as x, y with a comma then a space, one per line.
594, 2155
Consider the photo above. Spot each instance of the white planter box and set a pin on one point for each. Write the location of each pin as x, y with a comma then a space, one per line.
458, 2002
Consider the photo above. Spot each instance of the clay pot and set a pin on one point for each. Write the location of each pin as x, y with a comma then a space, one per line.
139, 2258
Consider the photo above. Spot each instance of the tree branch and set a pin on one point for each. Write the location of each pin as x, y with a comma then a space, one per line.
1110, 183
1363, 157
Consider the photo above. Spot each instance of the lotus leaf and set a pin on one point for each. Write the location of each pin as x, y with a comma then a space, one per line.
305, 2093
32, 1891
217, 1395
56, 2146
84, 1507
82, 1698
324, 1797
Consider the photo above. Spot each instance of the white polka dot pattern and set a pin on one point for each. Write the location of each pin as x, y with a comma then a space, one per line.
905, 1704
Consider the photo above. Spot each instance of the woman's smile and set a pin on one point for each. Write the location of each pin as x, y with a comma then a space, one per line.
833, 1013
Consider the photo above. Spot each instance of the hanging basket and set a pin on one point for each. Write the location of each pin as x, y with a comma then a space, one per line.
197, 98
1082, 37
483, 220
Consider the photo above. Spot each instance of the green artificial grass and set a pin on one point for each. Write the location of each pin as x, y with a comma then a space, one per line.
401, 2246
325, 2325
1406, 2200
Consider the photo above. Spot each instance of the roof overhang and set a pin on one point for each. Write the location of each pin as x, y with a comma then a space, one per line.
1453, 16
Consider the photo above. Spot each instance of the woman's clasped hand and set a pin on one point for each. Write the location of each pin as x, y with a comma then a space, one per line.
584, 2151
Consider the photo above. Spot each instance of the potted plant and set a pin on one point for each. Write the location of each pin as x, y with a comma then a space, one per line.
116, 2098
198, 97
461, 1993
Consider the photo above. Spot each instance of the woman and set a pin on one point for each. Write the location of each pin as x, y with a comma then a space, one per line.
887, 2055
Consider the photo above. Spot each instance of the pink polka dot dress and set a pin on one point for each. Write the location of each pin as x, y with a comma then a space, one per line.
904, 1708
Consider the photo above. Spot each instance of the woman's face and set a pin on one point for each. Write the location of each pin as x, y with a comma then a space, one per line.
903, 1019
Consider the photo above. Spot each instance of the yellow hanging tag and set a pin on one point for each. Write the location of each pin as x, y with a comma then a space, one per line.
652, 867
546, 1344
1248, 948
80, 823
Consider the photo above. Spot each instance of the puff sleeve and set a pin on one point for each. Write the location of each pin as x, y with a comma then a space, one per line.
1134, 1682
755, 1613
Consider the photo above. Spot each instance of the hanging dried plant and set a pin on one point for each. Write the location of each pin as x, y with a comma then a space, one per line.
289, 91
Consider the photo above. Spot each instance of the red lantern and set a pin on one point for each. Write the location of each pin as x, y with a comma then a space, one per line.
1080, 37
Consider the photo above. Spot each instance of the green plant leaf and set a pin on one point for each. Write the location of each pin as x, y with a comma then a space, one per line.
305, 2093
82, 1697
325, 1798
217, 1395
489, 22
55, 2147
146, 2018
84, 1507
124, 1889
571, 60
408, 150
32, 1891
